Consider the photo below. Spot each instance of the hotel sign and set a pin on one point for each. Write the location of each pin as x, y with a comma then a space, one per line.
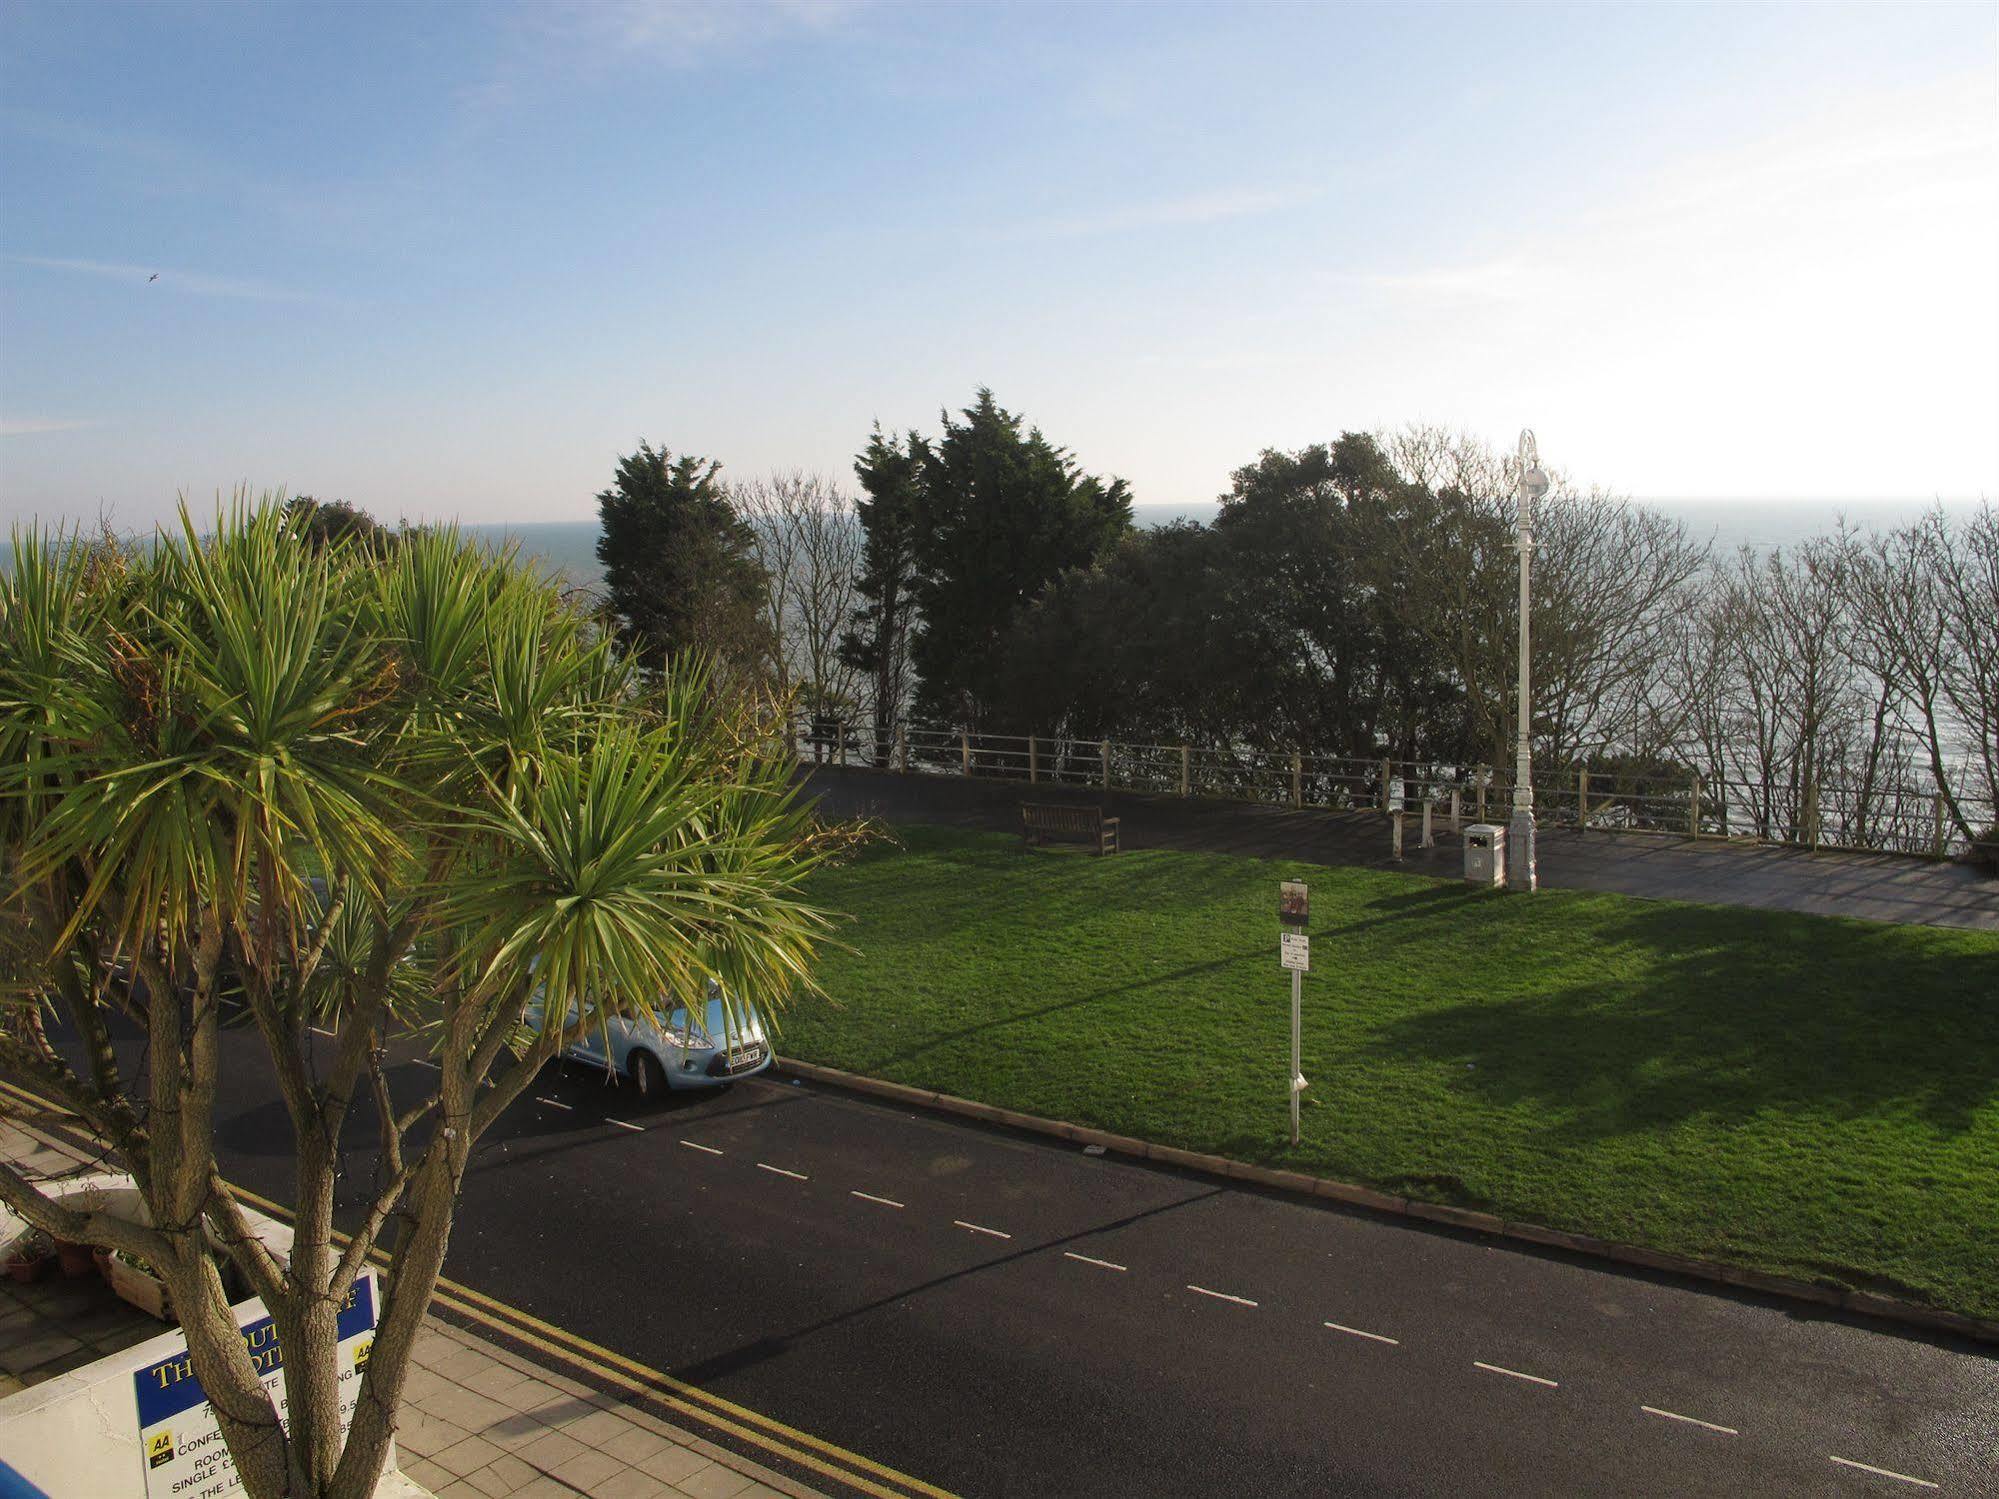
180, 1443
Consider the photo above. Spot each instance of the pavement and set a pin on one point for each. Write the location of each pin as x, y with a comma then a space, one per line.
53, 1325
479, 1420
1869, 887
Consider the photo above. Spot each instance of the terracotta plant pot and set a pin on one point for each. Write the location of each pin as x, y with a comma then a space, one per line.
75, 1259
28, 1268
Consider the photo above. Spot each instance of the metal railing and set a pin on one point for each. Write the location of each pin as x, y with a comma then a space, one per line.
1896, 818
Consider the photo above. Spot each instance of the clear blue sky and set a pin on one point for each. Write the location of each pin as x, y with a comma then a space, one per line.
454, 259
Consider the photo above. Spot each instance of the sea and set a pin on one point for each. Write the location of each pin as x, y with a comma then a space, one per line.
568, 549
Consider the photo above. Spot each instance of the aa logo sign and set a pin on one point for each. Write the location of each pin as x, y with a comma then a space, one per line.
160, 1449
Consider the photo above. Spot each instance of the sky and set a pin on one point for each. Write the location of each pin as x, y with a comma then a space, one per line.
453, 260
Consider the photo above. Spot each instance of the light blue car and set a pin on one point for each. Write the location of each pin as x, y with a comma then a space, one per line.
656, 1058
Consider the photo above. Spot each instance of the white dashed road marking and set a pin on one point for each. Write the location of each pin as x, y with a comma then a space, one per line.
1847, 1462
1223, 1296
961, 1223
704, 1149
553, 1103
1356, 1332
887, 1202
797, 1176
1653, 1410
1101, 1264
1515, 1374
640, 1128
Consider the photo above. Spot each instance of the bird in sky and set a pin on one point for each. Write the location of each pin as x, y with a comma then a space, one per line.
152, 278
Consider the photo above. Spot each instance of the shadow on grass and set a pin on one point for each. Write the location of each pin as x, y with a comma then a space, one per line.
1403, 906
1737, 1012
1002, 884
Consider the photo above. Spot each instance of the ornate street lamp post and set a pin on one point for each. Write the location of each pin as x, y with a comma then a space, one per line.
1531, 485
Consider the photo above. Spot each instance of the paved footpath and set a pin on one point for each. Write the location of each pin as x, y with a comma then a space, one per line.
478, 1420
481, 1422
1870, 887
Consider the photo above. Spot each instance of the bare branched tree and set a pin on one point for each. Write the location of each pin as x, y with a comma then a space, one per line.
809, 543
1924, 601
1610, 583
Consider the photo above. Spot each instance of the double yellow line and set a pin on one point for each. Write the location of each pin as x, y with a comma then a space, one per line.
850, 1470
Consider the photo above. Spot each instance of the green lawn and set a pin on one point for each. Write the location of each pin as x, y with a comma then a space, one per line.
1790, 1093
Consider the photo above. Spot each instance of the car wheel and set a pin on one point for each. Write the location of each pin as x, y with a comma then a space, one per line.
648, 1076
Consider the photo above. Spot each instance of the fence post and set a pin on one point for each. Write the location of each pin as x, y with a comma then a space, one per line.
1186, 768
1297, 780
965, 750
840, 734
1104, 752
1812, 812
1939, 843
1429, 838
1457, 807
1694, 806
1033, 759
1385, 777
1582, 799
902, 748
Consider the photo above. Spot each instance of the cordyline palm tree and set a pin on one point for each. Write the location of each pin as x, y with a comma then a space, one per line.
373, 791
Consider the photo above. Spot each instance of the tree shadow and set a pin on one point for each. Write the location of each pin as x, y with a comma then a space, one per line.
1402, 906
1737, 1012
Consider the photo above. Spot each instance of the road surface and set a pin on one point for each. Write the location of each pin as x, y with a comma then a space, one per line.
1006, 1316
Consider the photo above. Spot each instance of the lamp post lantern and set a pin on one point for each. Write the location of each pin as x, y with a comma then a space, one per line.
1531, 485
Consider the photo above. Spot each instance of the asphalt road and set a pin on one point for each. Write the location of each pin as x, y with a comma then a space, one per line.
1011, 1317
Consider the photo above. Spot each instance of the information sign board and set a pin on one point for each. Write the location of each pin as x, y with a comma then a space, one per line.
1294, 949
180, 1443
1396, 800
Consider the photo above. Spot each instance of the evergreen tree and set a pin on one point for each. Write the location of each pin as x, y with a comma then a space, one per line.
680, 568
1003, 513
326, 521
891, 475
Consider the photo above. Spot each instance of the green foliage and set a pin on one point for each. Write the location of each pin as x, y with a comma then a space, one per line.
1297, 620
1792, 1093
680, 568
978, 524
891, 475
358, 791
324, 522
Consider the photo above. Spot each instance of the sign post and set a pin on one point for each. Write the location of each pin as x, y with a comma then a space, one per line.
1396, 803
1294, 951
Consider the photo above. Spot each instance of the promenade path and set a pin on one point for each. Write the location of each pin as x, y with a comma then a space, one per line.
1870, 887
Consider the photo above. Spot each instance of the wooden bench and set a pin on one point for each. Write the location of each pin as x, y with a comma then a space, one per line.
1041, 821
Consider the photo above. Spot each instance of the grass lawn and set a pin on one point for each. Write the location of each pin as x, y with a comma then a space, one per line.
1790, 1093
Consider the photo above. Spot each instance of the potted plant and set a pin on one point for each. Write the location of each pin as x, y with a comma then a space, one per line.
75, 1259
31, 1257
134, 1281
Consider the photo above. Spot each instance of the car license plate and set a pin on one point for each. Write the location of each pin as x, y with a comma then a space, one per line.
748, 1057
